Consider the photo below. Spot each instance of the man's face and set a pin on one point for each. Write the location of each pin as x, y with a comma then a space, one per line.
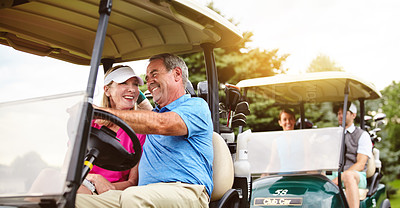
349, 117
161, 83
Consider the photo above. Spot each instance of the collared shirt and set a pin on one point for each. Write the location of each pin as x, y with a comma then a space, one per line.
187, 159
364, 144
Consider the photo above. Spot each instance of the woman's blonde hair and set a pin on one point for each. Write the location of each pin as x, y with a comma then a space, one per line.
106, 100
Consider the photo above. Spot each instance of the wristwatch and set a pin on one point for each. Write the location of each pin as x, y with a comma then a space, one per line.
89, 185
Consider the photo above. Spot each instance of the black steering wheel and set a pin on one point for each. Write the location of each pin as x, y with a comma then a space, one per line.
108, 152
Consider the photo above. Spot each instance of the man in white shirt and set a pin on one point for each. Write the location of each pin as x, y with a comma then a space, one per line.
358, 150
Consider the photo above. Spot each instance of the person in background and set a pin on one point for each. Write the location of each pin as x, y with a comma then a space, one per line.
121, 91
287, 119
358, 150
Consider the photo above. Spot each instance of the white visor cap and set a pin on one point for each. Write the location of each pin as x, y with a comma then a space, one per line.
121, 75
353, 108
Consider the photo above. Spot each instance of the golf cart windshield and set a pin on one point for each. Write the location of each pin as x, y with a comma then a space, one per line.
37, 136
293, 151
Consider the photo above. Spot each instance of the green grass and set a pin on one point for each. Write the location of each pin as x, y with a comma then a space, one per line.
395, 199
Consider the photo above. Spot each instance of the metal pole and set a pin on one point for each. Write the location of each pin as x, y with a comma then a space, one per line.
302, 116
107, 64
79, 149
362, 113
343, 147
212, 80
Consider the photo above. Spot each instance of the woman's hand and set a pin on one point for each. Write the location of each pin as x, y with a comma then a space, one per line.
83, 190
102, 184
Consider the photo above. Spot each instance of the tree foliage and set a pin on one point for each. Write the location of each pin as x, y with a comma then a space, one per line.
390, 145
238, 63
323, 63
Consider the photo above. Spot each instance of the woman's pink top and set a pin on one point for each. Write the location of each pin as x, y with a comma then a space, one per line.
117, 176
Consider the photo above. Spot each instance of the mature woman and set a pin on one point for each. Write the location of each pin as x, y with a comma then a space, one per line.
121, 91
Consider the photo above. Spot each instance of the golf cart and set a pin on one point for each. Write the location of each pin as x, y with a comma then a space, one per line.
47, 144
294, 165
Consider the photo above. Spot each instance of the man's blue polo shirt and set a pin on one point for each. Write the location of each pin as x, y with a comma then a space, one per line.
188, 158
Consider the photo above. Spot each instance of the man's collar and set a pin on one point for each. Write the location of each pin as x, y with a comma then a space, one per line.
172, 105
351, 128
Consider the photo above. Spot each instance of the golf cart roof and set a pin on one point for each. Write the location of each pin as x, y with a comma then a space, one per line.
311, 87
137, 29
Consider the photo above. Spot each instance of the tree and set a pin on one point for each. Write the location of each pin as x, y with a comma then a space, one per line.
323, 63
390, 145
234, 65
237, 63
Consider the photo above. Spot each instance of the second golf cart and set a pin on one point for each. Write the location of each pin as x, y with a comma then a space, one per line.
294, 164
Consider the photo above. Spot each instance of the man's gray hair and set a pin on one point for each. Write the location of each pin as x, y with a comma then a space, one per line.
171, 62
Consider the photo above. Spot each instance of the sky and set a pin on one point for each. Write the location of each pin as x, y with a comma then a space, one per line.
362, 36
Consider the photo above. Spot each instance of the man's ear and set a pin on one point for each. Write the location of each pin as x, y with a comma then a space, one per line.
177, 73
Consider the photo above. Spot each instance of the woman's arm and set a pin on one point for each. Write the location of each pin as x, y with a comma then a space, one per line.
103, 185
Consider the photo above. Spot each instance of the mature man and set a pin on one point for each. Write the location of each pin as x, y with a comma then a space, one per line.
358, 150
176, 166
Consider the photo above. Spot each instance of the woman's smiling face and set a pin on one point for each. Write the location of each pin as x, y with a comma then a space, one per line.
123, 95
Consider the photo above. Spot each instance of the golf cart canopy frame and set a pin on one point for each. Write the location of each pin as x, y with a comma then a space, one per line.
287, 89
312, 87
66, 30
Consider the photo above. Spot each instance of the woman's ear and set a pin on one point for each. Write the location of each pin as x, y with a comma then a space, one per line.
107, 90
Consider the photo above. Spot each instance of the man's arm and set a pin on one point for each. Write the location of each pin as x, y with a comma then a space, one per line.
360, 164
148, 122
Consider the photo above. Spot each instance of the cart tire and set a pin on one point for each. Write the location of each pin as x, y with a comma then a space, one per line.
386, 204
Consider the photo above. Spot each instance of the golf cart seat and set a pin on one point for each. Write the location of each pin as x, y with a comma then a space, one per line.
372, 179
223, 195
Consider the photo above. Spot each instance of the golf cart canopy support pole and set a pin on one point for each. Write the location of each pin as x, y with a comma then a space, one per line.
76, 164
107, 64
343, 147
362, 113
212, 80
302, 116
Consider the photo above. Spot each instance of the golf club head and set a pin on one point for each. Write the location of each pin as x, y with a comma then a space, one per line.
376, 130
243, 107
367, 118
232, 96
223, 114
239, 116
379, 116
222, 106
238, 122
